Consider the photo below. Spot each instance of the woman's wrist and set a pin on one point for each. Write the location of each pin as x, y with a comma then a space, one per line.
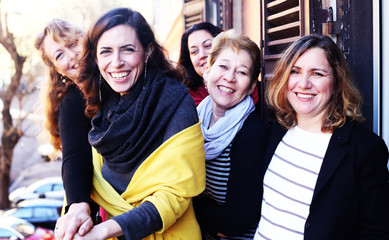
79, 207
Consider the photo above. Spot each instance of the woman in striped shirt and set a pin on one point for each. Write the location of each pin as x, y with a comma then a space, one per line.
327, 175
235, 140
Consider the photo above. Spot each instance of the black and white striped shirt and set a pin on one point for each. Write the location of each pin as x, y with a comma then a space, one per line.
218, 172
289, 184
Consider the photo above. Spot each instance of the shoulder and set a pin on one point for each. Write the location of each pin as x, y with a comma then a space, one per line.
73, 95
254, 129
255, 124
359, 138
355, 132
73, 103
164, 80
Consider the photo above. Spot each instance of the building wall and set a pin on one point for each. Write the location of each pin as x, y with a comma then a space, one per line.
251, 19
169, 27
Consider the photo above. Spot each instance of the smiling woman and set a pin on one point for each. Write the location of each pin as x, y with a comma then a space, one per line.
235, 138
60, 47
326, 175
121, 58
144, 125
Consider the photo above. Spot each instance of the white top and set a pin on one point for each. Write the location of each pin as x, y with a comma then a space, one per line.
289, 184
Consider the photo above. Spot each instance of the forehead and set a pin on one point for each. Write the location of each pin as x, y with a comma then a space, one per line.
50, 46
235, 55
198, 37
118, 36
313, 57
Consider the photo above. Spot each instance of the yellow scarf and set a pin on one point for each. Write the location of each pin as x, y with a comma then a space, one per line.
168, 178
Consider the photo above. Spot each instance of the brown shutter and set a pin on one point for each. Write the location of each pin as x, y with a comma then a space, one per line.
193, 12
283, 24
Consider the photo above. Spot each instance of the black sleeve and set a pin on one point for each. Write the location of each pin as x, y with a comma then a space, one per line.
77, 168
242, 207
374, 189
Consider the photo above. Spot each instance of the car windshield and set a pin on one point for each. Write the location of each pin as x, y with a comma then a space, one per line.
26, 229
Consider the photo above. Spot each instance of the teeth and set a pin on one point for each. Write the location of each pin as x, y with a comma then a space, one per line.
76, 65
306, 96
226, 90
119, 75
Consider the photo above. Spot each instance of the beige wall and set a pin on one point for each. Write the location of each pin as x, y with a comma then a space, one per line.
169, 25
251, 19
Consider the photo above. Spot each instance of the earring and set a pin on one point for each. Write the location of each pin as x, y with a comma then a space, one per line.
63, 79
100, 88
144, 79
145, 69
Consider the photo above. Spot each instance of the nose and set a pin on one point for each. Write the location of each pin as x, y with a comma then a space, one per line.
72, 54
305, 81
202, 53
116, 61
230, 76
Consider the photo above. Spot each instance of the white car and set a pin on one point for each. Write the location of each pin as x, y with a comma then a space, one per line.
51, 187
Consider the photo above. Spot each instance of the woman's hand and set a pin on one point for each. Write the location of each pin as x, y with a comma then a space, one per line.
102, 231
76, 221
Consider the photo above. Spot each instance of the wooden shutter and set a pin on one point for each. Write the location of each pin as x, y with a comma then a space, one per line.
283, 23
193, 12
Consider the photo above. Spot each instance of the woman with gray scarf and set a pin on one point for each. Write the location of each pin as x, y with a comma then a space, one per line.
235, 139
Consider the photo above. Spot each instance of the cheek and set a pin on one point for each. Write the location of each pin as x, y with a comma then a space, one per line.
290, 84
101, 63
193, 59
61, 67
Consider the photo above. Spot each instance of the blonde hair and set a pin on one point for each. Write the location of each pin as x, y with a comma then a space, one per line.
346, 100
55, 90
236, 41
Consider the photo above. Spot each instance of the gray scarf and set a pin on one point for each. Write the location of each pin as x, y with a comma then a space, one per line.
221, 134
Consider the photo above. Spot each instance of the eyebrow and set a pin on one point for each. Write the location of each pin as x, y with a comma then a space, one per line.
124, 46
201, 43
313, 69
228, 60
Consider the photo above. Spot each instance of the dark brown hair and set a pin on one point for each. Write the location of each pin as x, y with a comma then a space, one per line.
90, 74
191, 79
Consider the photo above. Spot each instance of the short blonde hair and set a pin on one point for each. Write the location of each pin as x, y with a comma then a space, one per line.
231, 39
346, 100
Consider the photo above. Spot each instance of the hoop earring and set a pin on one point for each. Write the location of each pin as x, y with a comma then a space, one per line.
100, 88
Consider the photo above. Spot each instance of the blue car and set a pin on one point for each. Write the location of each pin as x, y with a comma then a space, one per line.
40, 212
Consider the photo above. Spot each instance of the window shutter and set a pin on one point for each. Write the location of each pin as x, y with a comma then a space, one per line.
193, 12
283, 24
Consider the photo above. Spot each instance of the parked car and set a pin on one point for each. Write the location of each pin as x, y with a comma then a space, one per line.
51, 187
18, 229
40, 212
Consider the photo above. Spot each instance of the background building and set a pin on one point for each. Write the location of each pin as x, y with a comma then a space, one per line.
358, 27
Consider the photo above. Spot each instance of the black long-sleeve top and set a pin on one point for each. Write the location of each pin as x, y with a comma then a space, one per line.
77, 169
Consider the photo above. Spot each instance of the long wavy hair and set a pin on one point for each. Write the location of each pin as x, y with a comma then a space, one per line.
191, 79
345, 101
57, 85
90, 75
